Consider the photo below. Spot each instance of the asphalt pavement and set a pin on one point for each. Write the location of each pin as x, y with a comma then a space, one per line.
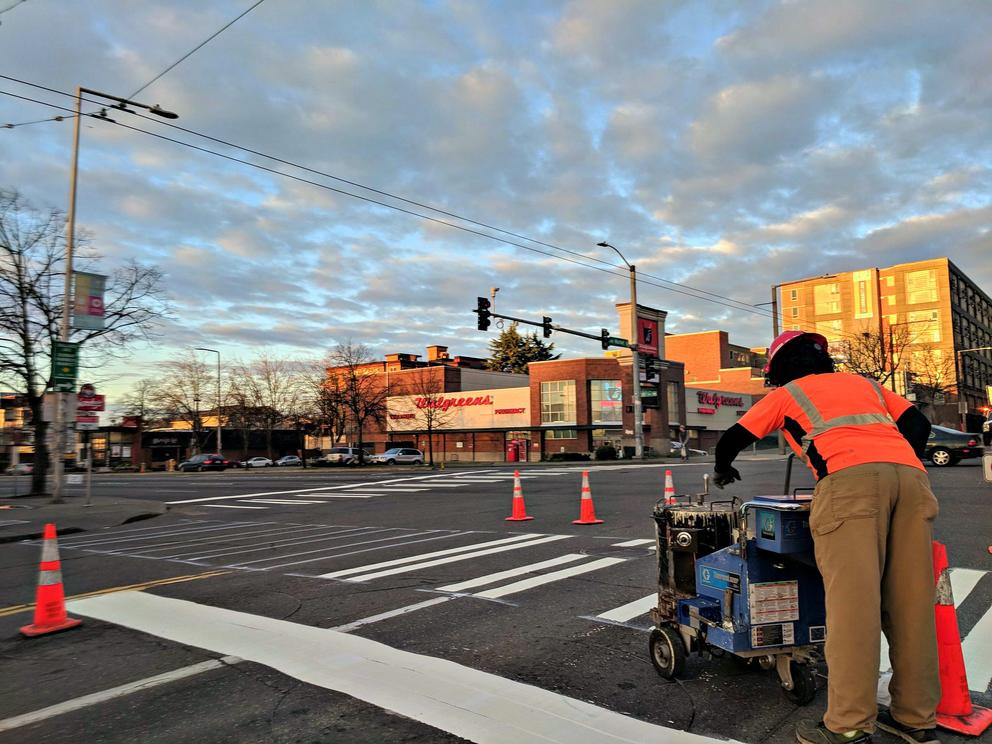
383, 604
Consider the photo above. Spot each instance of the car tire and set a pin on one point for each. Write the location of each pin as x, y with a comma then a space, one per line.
390, 462
418, 462
941, 457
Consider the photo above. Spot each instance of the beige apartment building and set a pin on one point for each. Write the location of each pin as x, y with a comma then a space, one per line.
924, 312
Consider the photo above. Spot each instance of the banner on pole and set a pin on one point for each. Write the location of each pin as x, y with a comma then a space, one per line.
87, 311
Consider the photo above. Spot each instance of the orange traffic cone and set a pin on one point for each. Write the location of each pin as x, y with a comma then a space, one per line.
49, 608
669, 489
519, 507
955, 710
587, 512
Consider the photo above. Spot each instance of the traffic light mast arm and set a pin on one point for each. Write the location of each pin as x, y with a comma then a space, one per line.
560, 329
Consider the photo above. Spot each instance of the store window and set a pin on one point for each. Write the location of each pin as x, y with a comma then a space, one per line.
606, 401
921, 286
826, 299
558, 402
561, 434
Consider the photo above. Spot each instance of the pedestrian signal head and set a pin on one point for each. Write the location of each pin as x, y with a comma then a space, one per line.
795, 354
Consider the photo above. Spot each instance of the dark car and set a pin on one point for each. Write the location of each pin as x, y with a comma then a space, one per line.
199, 463
949, 446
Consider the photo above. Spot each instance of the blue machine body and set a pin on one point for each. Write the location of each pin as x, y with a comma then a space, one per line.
767, 595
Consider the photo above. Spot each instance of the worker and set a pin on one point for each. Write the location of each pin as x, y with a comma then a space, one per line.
871, 519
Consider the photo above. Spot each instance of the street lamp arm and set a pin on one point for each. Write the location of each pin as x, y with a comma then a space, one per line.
604, 244
122, 104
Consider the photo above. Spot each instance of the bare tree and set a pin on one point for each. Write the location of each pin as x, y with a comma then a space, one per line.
874, 354
32, 281
270, 387
323, 400
426, 389
140, 401
362, 394
185, 384
932, 377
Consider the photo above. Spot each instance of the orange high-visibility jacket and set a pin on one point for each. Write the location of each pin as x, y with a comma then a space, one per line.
834, 421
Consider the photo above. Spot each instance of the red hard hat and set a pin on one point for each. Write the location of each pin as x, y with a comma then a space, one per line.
784, 338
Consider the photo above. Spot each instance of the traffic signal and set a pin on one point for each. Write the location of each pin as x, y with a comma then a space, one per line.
604, 337
483, 312
546, 323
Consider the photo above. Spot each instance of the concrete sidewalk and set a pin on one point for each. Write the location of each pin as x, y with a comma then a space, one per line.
25, 518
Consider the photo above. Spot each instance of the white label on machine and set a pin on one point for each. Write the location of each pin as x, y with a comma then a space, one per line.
773, 602
779, 634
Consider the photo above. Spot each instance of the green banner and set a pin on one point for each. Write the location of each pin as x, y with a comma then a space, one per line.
65, 366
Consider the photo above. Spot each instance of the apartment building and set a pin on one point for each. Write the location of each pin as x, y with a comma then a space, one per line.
924, 314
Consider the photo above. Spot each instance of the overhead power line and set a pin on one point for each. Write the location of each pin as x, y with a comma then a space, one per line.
605, 267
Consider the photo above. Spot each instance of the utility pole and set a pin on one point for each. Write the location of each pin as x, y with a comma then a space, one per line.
634, 357
220, 446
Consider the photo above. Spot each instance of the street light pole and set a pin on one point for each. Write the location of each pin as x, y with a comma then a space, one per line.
634, 357
220, 448
70, 240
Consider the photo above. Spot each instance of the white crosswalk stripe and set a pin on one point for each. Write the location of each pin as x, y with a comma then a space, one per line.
511, 573
535, 581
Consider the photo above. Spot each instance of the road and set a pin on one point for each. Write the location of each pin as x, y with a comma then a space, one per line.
399, 605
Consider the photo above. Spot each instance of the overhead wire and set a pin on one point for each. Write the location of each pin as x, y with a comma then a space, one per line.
612, 269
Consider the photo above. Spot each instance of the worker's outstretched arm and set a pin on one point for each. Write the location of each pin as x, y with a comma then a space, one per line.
730, 445
914, 426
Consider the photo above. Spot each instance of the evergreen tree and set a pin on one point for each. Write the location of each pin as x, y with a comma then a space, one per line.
512, 351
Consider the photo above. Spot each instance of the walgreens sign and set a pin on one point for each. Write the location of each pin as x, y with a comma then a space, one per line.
443, 404
469, 410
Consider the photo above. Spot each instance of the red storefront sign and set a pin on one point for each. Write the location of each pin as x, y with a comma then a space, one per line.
443, 404
716, 400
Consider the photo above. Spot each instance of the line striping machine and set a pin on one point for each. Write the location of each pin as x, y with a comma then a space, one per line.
740, 578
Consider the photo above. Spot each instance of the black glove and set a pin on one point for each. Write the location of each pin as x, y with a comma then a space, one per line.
723, 478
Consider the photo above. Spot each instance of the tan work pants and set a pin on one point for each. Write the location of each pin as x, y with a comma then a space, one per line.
872, 533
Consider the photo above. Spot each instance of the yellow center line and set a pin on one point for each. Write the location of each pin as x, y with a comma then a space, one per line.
15, 609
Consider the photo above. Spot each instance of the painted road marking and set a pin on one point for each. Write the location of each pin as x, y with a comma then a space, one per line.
152, 543
426, 556
465, 702
297, 535
89, 535
15, 609
278, 501
233, 506
634, 543
626, 613
499, 576
266, 532
391, 614
200, 554
85, 701
202, 527
455, 558
522, 586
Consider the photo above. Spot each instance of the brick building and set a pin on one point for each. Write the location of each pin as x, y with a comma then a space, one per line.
938, 311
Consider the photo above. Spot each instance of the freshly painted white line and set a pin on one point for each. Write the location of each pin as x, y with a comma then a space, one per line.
977, 650
629, 611
277, 501
392, 613
465, 702
522, 586
214, 527
455, 558
426, 556
271, 533
634, 543
233, 506
397, 489
340, 495
963, 580
499, 576
26, 719
329, 553
89, 535
467, 482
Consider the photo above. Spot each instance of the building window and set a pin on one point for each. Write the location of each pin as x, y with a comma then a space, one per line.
921, 286
890, 281
795, 312
606, 400
862, 297
558, 402
794, 295
833, 329
560, 434
924, 326
826, 299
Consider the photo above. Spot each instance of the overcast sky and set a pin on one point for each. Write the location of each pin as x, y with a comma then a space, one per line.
723, 145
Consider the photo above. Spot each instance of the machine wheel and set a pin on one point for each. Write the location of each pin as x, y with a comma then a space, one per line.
941, 457
804, 683
667, 652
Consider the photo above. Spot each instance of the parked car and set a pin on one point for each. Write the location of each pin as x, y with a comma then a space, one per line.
258, 462
199, 463
949, 446
340, 456
288, 460
399, 455
21, 468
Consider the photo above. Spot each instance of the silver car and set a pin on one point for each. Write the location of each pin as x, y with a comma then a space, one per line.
399, 456
341, 456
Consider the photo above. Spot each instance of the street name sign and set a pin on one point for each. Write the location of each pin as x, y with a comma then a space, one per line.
65, 366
